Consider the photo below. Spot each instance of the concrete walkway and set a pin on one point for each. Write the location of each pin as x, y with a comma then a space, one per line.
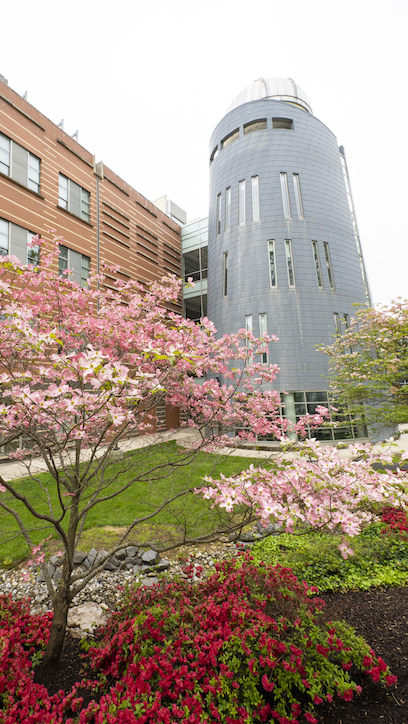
12, 470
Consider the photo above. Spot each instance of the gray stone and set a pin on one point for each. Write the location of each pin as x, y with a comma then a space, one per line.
57, 576
87, 616
121, 555
148, 582
92, 556
162, 566
150, 556
132, 551
79, 557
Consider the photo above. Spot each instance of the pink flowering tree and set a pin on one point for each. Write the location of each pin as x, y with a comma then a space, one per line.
369, 365
82, 369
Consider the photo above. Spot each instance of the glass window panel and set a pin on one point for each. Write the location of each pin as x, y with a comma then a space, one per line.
328, 264
214, 154
63, 191
317, 264
283, 123
259, 125
33, 173
218, 214
320, 397
230, 138
63, 259
191, 260
255, 198
225, 275
204, 304
262, 332
300, 409
285, 195
299, 396
248, 327
289, 261
85, 203
33, 252
241, 202
4, 237
298, 195
4, 155
85, 269
272, 263
337, 323
228, 209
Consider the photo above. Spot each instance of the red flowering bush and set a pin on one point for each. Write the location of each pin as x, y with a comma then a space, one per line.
396, 521
244, 646
22, 639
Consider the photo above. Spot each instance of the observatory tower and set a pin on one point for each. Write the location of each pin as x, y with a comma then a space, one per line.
284, 254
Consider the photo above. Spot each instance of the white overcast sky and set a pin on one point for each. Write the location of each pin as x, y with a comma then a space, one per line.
146, 81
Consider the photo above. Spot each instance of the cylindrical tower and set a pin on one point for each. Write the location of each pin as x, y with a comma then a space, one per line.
283, 254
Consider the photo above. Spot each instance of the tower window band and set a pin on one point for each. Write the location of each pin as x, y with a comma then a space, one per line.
285, 195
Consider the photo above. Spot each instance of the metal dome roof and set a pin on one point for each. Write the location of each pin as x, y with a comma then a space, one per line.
283, 89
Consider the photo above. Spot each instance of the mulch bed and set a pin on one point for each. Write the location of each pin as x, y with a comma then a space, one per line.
381, 616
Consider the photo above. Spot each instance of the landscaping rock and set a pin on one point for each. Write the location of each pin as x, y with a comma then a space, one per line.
150, 556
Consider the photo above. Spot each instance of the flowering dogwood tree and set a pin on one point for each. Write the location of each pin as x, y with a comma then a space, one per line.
81, 369
369, 365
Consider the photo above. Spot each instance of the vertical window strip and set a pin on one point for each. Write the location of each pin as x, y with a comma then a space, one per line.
63, 191
328, 264
225, 275
218, 214
272, 263
241, 203
317, 264
5, 154
285, 195
289, 261
228, 209
298, 196
262, 333
337, 323
4, 237
248, 328
255, 198
33, 252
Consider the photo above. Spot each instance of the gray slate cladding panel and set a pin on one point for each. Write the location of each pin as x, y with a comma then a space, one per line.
302, 317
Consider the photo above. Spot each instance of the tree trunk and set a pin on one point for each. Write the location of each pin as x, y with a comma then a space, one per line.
59, 624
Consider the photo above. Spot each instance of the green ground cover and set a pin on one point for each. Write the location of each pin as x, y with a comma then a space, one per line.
380, 558
140, 499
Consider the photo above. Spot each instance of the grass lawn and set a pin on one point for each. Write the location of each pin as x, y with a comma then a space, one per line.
160, 480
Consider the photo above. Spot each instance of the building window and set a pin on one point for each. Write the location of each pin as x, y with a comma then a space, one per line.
16, 240
228, 209
272, 263
298, 196
4, 237
262, 333
79, 263
337, 323
317, 264
328, 264
5, 145
74, 198
285, 195
255, 198
19, 164
218, 214
230, 138
259, 125
289, 261
241, 202
214, 154
248, 328
285, 123
225, 275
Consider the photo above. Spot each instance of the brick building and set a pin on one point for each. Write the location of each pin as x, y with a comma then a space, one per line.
49, 181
